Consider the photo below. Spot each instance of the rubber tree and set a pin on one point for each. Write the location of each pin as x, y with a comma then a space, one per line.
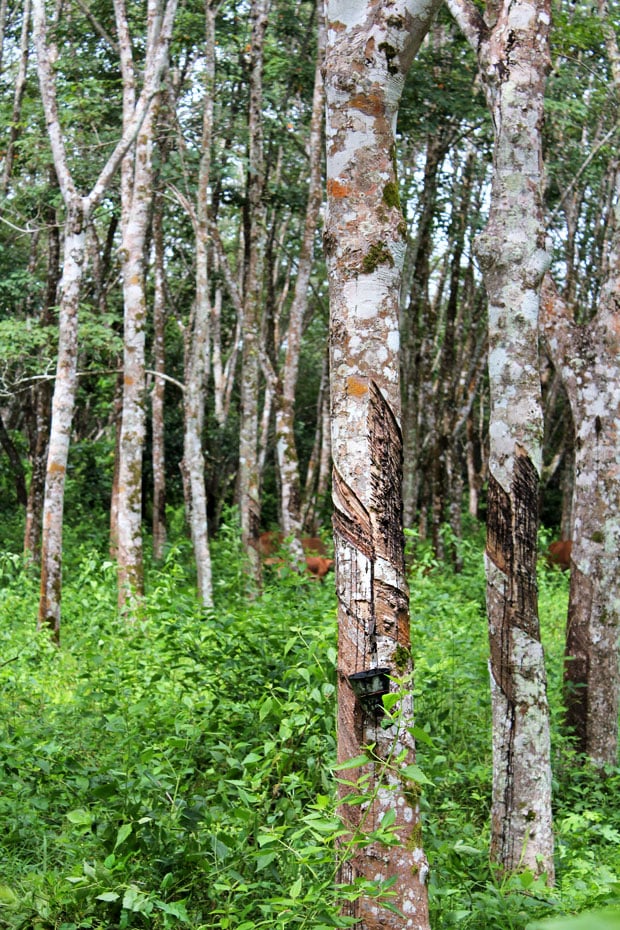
586, 356
78, 208
369, 50
512, 46
136, 204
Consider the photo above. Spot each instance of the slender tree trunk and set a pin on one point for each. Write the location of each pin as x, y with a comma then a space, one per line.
514, 59
78, 209
286, 450
369, 50
198, 341
18, 96
136, 204
15, 461
249, 474
42, 404
117, 417
319, 464
62, 417
417, 333
159, 386
133, 421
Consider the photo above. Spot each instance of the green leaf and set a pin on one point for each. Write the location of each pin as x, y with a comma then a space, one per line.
124, 831
108, 896
414, 772
352, 763
134, 900
296, 889
80, 816
421, 736
265, 708
388, 819
264, 860
8, 898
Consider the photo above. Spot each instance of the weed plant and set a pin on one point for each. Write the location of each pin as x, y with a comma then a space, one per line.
179, 771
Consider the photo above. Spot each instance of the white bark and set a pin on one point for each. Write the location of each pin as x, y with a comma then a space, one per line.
249, 475
587, 358
79, 208
62, 416
136, 198
158, 391
369, 49
513, 55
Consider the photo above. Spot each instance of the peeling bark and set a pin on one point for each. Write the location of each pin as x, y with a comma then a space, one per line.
369, 49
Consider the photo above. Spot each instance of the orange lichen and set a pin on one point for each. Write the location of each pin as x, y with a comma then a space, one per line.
356, 387
370, 104
337, 189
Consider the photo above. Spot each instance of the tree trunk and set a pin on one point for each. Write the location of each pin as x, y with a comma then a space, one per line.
136, 204
79, 209
286, 450
197, 342
417, 333
587, 359
369, 50
513, 56
62, 417
254, 223
20, 87
159, 386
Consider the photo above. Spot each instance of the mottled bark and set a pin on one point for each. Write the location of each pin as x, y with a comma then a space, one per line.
286, 450
587, 358
197, 343
254, 229
133, 422
513, 55
159, 386
63, 403
369, 50
78, 209
136, 203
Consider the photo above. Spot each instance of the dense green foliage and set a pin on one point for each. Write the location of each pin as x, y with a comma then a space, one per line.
176, 772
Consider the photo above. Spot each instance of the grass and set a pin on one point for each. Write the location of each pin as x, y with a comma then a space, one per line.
177, 772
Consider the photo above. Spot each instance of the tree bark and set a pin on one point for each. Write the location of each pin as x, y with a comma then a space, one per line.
254, 226
198, 341
79, 209
136, 204
63, 403
513, 55
20, 87
369, 50
586, 357
159, 388
286, 450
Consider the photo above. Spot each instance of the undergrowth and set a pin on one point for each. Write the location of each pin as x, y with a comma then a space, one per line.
178, 771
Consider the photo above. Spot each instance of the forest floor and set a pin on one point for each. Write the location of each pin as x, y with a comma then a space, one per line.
178, 771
